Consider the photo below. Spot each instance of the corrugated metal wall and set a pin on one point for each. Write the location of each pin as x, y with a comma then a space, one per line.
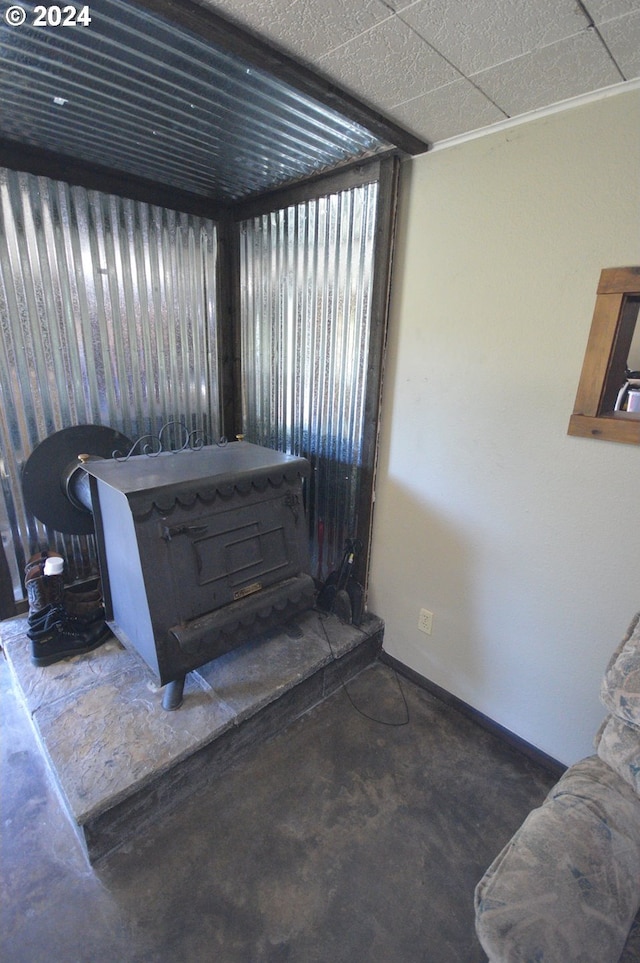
107, 313
307, 273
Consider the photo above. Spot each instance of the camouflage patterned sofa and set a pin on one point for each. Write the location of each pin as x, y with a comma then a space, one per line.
566, 888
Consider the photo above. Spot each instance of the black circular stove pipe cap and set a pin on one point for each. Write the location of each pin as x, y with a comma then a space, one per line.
55, 487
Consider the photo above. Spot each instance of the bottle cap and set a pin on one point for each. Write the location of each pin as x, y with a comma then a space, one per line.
53, 566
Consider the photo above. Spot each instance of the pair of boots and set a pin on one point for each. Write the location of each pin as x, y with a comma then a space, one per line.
63, 622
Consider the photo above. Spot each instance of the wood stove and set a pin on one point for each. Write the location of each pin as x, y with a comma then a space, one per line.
199, 550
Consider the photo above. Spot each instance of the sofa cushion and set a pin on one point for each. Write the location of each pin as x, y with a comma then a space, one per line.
565, 888
619, 746
620, 690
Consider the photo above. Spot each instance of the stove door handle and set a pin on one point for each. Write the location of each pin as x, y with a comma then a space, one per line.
192, 530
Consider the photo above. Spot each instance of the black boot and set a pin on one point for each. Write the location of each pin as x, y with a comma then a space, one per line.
43, 590
55, 617
65, 639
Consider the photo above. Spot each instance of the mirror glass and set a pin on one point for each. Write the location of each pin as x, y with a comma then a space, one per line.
629, 395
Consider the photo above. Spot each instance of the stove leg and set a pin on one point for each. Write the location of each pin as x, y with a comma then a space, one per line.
172, 698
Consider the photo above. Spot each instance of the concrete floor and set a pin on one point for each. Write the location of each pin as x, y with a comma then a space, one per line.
340, 840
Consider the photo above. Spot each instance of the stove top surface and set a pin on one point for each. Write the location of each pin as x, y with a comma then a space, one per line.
217, 465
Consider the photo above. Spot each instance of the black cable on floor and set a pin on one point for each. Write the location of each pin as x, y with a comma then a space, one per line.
382, 722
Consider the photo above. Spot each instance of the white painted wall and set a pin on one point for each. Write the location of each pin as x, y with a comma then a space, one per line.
523, 541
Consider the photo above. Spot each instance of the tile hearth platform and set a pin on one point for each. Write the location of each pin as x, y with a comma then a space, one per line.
119, 760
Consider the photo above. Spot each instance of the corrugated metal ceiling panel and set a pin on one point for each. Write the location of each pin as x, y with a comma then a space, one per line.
136, 93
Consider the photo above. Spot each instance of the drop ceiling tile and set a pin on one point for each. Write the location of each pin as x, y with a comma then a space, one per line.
448, 111
305, 28
622, 36
478, 35
562, 70
396, 5
602, 10
388, 65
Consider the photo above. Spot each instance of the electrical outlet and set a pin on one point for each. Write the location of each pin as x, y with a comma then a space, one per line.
425, 621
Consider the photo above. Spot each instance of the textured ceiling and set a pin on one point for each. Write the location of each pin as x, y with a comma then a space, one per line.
442, 68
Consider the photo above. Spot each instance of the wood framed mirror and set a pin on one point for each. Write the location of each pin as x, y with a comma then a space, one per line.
607, 403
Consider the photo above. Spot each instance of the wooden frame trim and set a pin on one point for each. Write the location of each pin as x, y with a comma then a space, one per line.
227, 310
356, 174
614, 320
69, 170
386, 222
